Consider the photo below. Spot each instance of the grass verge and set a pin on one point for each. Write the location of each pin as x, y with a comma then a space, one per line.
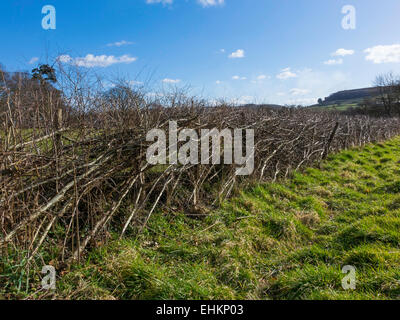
285, 240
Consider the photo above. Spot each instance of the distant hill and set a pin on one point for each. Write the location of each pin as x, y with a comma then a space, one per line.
351, 96
270, 106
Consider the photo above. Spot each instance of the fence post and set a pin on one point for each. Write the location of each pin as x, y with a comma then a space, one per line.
58, 126
328, 144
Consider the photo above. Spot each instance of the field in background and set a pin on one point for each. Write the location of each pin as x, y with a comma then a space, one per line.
335, 107
285, 240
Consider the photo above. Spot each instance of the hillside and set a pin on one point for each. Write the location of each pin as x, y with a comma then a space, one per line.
342, 100
285, 240
352, 95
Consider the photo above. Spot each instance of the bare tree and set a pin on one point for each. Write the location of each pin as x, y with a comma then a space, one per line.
389, 92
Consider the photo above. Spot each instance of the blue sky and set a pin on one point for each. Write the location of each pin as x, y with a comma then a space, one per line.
286, 51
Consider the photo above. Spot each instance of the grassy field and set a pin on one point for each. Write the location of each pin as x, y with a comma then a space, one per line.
285, 240
336, 107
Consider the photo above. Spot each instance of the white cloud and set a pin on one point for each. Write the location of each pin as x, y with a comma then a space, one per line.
210, 3
64, 58
237, 54
384, 54
238, 78
135, 83
262, 77
302, 101
309, 85
286, 74
343, 52
164, 2
299, 92
119, 43
319, 84
332, 62
91, 60
171, 81
33, 60
218, 82
244, 100
155, 94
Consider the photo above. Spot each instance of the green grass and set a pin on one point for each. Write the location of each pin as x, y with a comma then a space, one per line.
285, 240
335, 107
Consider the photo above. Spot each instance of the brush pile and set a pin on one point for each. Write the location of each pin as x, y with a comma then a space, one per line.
71, 175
